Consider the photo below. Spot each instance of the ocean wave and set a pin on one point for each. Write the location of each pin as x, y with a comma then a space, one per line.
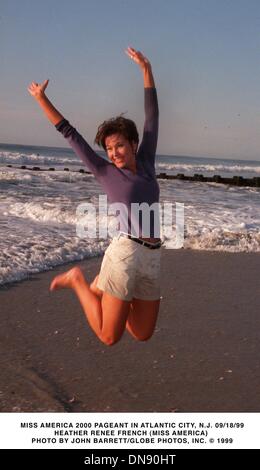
234, 169
33, 159
38, 218
17, 158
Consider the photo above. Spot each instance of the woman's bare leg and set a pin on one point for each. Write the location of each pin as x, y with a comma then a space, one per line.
142, 315
106, 316
142, 318
95, 289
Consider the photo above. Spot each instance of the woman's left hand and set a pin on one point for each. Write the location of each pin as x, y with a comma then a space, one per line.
138, 57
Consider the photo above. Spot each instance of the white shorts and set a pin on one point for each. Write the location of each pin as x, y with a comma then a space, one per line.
130, 270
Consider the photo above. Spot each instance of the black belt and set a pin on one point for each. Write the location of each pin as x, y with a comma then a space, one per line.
152, 246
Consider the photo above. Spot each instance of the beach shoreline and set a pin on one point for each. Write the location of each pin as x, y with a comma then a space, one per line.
203, 357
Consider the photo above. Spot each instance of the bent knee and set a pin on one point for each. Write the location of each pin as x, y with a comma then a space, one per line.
110, 340
144, 336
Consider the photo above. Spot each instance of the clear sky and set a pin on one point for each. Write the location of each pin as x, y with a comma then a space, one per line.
205, 56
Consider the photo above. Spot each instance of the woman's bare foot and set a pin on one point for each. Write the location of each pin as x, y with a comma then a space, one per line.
67, 279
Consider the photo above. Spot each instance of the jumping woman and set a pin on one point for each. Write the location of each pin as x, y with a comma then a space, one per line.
126, 292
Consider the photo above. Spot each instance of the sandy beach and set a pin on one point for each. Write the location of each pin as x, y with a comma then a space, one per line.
203, 357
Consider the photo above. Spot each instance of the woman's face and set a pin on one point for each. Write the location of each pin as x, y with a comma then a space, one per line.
120, 151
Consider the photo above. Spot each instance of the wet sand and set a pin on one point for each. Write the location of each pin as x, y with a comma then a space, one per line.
203, 357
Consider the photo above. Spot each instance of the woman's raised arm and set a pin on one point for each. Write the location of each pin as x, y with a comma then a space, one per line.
148, 145
38, 93
93, 161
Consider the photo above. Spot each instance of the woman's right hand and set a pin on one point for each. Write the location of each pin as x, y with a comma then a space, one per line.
37, 89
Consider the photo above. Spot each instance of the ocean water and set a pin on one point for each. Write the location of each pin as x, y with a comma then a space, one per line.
64, 157
38, 209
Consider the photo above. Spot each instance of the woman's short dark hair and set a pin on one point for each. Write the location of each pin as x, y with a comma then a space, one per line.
117, 125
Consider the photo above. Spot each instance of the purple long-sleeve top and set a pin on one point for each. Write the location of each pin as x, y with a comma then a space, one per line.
120, 184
